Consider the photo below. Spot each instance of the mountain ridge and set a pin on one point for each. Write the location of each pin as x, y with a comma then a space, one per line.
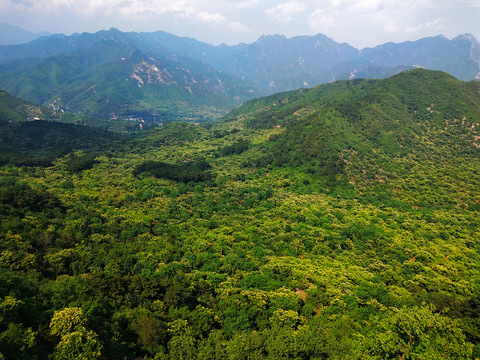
228, 75
174, 43
110, 78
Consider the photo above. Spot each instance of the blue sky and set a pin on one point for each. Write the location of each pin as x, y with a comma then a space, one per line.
361, 23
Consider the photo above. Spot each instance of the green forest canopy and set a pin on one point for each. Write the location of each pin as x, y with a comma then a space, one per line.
350, 231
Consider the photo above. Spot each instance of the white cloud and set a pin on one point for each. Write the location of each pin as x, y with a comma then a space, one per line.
140, 8
431, 25
371, 22
210, 18
387, 23
238, 27
319, 21
128, 9
374, 6
285, 12
247, 4
366, 6
359, 22
124, 8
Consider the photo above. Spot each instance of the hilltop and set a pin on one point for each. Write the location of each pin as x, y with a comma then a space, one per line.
378, 137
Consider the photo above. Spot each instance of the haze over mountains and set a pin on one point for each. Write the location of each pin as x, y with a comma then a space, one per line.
112, 74
14, 35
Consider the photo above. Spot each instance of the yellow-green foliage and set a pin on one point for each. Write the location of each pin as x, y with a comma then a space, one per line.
79, 344
67, 321
322, 238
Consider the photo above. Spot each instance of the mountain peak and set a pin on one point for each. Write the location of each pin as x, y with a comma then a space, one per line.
467, 37
114, 30
14, 35
271, 37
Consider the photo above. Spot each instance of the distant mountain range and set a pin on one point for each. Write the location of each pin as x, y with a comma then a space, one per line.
14, 35
162, 77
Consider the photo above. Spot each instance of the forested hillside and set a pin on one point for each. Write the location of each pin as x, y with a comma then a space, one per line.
338, 222
15, 110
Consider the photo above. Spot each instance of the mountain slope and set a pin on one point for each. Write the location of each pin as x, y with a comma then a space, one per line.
275, 63
57, 44
459, 56
380, 138
13, 109
111, 78
32, 135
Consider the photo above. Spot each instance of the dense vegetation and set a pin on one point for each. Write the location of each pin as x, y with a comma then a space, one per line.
350, 231
40, 142
16, 110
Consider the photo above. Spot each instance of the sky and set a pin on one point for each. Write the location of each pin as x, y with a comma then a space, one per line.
361, 23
